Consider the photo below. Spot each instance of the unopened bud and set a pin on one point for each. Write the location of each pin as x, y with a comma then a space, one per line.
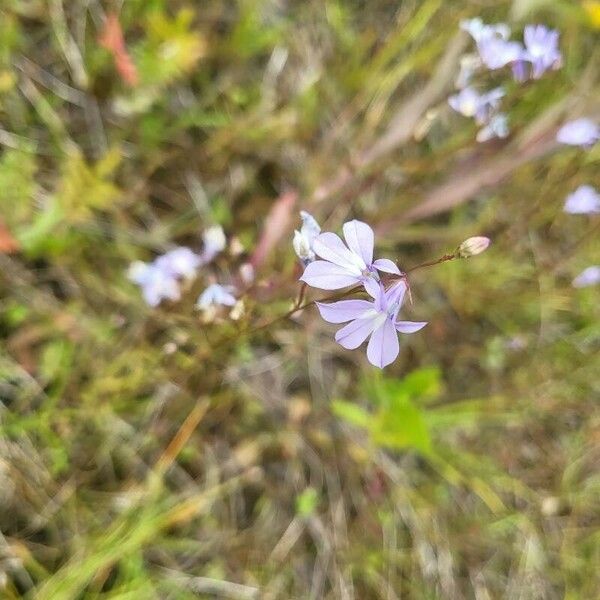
214, 240
247, 273
473, 246
302, 247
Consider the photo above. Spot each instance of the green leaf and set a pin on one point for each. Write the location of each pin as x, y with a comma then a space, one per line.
351, 413
423, 383
401, 425
306, 502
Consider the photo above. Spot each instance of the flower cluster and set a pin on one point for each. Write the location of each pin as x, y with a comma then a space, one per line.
340, 265
537, 54
161, 279
483, 108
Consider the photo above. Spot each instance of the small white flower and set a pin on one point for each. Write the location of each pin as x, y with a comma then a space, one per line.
180, 262
156, 283
469, 103
496, 128
216, 295
214, 242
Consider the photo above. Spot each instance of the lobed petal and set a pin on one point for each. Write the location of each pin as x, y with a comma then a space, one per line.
360, 239
395, 294
345, 310
383, 346
409, 326
324, 275
355, 333
372, 287
387, 266
329, 246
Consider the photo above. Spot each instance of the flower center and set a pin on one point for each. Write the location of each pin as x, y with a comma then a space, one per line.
370, 272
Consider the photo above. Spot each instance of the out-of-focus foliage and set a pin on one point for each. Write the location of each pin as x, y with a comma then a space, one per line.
162, 453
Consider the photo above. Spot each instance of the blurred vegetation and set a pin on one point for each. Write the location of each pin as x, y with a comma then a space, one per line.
148, 453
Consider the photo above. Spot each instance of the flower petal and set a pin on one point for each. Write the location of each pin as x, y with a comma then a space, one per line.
383, 346
355, 333
329, 246
372, 287
327, 276
360, 239
410, 326
387, 266
344, 310
395, 294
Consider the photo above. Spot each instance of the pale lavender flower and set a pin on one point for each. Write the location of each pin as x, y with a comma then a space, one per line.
584, 200
478, 30
158, 280
179, 262
581, 132
344, 266
377, 319
588, 277
216, 295
541, 49
214, 243
496, 52
469, 103
156, 283
497, 127
303, 239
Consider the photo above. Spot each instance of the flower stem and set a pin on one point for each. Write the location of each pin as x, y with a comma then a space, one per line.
300, 305
432, 263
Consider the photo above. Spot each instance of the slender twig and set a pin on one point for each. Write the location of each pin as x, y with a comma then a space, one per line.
445, 258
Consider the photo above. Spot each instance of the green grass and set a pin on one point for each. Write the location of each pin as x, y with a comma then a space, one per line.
153, 453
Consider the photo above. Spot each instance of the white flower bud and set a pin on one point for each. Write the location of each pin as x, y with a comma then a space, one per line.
304, 238
214, 242
302, 247
473, 246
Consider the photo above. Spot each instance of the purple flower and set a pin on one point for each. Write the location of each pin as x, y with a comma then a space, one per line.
344, 266
215, 295
495, 49
180, 262
156, 283
377, 319
496, 52
584, 200
469, 103
303, 239
541, 50
581, 132
588, 277
496, 128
